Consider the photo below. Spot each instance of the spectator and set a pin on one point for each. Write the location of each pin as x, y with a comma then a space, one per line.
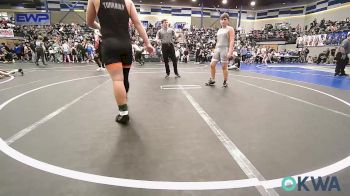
66, 52
342, 60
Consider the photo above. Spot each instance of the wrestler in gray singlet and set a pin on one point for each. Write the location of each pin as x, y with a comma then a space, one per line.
222, 45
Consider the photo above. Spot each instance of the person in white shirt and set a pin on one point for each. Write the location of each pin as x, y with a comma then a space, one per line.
57, 52
138, 53
26, 52
66, 52
177, 54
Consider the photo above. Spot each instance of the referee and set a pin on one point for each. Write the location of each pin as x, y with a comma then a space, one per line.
166, 36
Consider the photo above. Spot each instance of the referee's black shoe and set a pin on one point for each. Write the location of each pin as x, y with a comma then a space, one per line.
21, 71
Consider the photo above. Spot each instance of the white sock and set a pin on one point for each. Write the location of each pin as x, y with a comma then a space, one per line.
123, 113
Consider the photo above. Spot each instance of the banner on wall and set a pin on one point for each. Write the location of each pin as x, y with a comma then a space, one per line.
330, 39
179, 25
144, 23
6, 33
32, 19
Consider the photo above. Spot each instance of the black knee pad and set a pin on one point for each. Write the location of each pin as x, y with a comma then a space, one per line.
126, 78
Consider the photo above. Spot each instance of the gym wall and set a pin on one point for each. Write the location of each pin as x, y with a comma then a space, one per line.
305, 14
247, 25
151, 13
172, 19
302, 14
211, 22
293, 20
340, 13
71, 17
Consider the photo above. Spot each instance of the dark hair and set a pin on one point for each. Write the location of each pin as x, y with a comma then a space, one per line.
225, 15
164, 20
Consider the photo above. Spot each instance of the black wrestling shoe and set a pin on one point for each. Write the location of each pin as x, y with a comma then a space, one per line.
122, 119
166, 76
224, 85
344, 75
177, 76
210, 82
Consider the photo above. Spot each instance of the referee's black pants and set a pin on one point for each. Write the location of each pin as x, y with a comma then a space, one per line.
169, 52
40, 54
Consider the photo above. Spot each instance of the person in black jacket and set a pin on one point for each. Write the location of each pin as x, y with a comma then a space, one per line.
198, 52
40, 51
342, 60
